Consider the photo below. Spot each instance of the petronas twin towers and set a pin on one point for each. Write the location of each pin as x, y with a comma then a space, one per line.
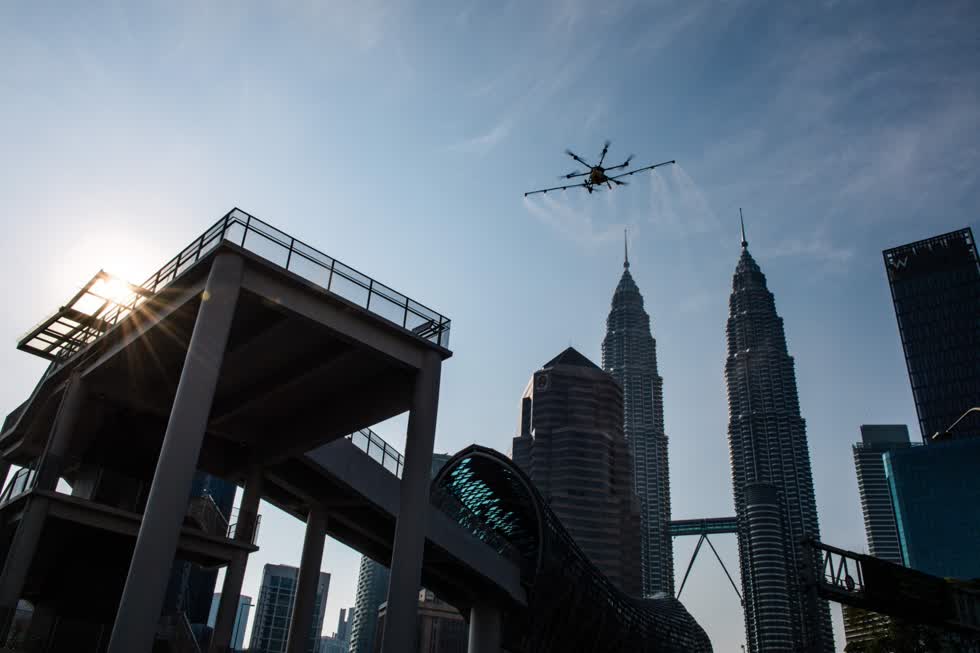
771, 477
629, 354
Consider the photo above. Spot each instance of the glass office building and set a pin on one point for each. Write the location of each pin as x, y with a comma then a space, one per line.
936, 495
935, 285
275, 608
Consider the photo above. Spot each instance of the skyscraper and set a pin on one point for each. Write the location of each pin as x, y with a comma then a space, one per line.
275, 608
935, 286
372, 589
861, 626
771, 476
629, 354
241, 619
571, 445
876, 501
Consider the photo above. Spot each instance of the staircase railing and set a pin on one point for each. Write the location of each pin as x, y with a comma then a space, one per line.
205, 513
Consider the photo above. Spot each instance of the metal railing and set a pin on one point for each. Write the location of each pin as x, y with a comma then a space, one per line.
383, 453
236, 519
206, 514
21, 482
277, 247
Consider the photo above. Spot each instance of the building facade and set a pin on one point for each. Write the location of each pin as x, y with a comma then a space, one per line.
275, 608
241, 619
880, 529
629, 354
935, 286
936, 496
572, 447
372, 589
772, 481
441, 628
876, 501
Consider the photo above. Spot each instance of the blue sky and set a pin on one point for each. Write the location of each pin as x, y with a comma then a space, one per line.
400, 137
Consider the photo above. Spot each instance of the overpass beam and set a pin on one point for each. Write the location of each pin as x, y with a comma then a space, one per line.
231, 589
484, 636
156, 544
413, 509
301, 622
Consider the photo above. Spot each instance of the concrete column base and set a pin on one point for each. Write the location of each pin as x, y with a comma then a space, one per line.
484, 636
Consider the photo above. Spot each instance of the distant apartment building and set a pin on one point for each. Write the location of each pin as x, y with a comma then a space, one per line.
572, 446
372, 589
339, 642
441, 629
241, 619
274, 609
861, 626
935, 286
876, 501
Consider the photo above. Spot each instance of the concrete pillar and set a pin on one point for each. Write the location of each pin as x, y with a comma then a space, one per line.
484, 634
413, 510
231, 588
56, 449
301, 622
20, 555
27, 537
156, 544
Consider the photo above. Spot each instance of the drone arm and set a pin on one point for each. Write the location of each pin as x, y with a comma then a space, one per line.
546, 190
577, 158
633, 172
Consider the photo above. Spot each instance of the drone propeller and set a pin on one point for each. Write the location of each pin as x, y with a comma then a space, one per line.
605, 148
573, 174
620, 183
577, 158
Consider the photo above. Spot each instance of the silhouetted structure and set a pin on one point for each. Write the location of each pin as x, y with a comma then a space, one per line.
629, 354
241, 620
771, 476
274, 610
441, 628
572, 447
571, 606
935, 286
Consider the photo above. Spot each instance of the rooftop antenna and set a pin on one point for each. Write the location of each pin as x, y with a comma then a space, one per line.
626, 248
745, 243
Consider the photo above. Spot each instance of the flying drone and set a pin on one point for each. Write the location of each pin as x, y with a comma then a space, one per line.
595, 176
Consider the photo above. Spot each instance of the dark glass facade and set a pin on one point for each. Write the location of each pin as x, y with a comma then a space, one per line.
936, 495
571, 606
935, 285
191, 587
572, 447
275, 608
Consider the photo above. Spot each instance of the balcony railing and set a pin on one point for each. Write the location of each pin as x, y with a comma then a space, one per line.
109, 301
383, 453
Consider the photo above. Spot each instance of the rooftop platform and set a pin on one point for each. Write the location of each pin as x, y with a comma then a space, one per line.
317, 350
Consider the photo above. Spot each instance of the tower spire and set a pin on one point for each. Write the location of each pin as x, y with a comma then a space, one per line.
626, 248
745, 243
